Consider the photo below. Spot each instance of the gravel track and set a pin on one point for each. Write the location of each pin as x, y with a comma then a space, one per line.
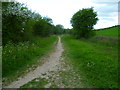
51, 64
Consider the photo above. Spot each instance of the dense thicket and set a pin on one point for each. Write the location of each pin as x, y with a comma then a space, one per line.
83, 22
21, 24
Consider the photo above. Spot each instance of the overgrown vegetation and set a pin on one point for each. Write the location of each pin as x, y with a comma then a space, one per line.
83, 22
0, 63
21, 24
26, 37
94, 60
19, 57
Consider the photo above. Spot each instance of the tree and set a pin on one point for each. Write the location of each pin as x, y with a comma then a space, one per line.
83, 22
14, 18
21, 24
59, 29
49, 20
43, 27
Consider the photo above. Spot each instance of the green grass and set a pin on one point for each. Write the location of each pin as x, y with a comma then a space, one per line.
39, 83
0, 63
17, 58
36, 83
94, 60
110, 32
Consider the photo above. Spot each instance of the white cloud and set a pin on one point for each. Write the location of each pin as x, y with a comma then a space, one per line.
61, 11
105, 1
103, 23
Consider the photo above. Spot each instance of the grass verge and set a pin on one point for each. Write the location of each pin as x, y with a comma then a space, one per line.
18, 58
94, 60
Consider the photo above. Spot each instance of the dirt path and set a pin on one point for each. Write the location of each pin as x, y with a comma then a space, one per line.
50, 65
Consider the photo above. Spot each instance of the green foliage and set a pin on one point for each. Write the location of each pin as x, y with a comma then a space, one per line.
14, 17
83, 22
67, 31
0, 63
42, 28
90, 34
21, 24
24, 35
48, 20
28, 30
95, 61
18, 57
59, 29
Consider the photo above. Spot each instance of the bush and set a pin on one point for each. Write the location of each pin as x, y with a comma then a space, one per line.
21, 24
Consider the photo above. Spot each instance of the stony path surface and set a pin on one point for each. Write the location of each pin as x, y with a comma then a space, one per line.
51, 64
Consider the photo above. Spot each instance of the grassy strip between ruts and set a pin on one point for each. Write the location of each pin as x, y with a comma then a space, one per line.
17, 58
94, 60
38, 82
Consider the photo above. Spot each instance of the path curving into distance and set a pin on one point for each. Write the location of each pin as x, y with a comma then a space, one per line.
50, 65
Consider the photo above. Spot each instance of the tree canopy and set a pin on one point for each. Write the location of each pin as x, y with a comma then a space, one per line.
83, 22
21, 24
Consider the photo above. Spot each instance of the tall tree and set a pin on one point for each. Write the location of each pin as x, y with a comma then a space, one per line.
14, 17
83, 22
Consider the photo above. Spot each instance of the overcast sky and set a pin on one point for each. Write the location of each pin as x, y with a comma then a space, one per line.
61, 11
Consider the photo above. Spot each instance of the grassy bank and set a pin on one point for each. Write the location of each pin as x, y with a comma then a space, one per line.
94, 60
110, 32
21, 56
0, 63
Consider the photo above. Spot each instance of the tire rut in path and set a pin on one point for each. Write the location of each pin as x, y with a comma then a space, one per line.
50, 65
